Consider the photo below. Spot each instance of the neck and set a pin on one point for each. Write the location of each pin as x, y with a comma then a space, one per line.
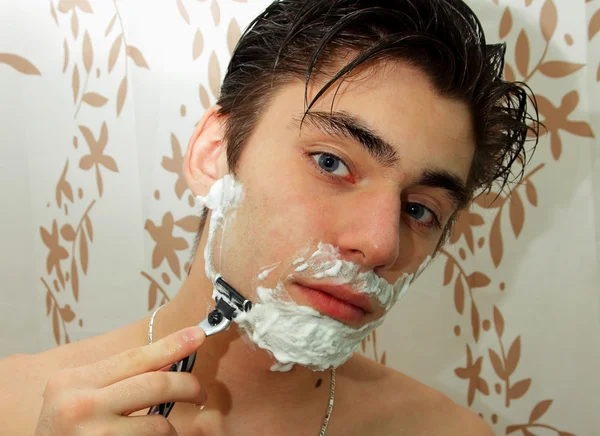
233, 370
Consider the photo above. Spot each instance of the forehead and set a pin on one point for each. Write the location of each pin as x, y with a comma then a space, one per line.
399, 103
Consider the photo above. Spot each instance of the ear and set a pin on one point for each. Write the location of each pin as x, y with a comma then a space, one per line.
206, 158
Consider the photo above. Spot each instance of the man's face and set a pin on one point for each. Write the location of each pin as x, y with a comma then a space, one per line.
335, 180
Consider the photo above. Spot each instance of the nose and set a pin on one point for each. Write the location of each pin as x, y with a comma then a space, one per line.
370, 234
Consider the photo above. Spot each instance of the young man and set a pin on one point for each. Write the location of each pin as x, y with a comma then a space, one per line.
350, 132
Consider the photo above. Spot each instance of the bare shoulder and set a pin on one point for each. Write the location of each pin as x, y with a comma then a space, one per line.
400, 405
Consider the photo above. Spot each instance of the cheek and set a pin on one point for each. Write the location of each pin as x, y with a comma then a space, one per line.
412, 253
276, 220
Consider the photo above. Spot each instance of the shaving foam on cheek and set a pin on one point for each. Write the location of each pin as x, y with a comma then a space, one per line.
299, 334
224, 195
295, 334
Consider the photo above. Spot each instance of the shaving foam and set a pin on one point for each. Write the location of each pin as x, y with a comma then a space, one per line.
291, 333
295, 334
224, 195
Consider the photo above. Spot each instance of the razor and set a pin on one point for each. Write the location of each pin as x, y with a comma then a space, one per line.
229, 303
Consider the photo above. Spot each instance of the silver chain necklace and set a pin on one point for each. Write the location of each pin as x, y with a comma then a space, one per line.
331, 384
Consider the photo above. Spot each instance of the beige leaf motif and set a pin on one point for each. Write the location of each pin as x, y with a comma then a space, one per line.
88, 52
175, 165
214, 74
19, 63
166, 244
459, 295
539, 410
48, 302
83, 251
63, 187
569, 101
55, 328
189, 223
498, 322
110, 25
514, 354
198, 45
509, 73
137, 57
114, 52
152, 294
53, 13
594, 26
448, 271
67, 314
496, 245
233, 35
522, 53
478, 280
88, 227
548, 19
506, 23
65, 6
216, 12
121, 95
94, 99
66, 55
497, 364
74, 24
74, 280
556, 69
67, 232
516, 213
75, 83
519, 389
204, 99
531, 192
475, 323
183, 12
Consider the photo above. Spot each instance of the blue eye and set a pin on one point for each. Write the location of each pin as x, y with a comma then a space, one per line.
421, 214
331, 164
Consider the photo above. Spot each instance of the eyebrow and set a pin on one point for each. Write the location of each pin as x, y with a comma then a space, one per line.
455, 188
346, 126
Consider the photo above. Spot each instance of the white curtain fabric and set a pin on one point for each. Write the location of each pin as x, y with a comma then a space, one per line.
97, 103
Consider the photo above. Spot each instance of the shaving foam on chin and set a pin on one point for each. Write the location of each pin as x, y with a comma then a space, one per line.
295, 334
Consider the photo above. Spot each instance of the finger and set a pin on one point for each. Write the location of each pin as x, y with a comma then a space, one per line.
151, 357
154, 425
146, 390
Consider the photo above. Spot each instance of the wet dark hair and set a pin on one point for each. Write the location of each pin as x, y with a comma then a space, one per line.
300, 39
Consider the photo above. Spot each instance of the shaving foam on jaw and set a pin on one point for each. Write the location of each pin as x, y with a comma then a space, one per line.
295, 334
224, 195
299, 334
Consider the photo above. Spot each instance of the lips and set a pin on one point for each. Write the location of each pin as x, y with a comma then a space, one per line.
339, 302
